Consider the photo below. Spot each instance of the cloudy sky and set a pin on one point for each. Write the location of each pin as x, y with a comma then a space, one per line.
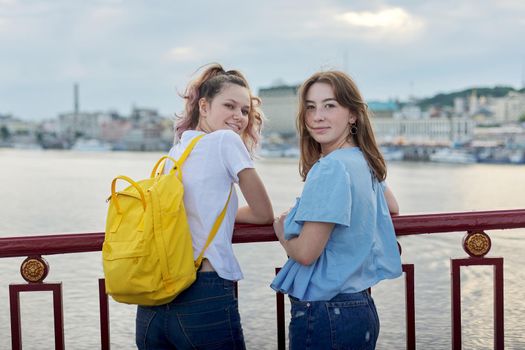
131, 52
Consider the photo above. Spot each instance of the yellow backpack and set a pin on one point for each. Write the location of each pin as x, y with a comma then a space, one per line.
147, 251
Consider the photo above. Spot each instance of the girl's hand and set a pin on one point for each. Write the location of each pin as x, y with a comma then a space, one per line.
278, 226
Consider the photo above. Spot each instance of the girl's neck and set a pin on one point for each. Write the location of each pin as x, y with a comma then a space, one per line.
203, 126
344, 144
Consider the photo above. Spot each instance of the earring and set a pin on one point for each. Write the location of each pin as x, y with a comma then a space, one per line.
353, 128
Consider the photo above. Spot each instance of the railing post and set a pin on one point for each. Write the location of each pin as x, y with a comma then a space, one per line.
104, 315
58, 315
497, 263
281, 334
499, 329
455, 303
16, 334
34, 270
410, 306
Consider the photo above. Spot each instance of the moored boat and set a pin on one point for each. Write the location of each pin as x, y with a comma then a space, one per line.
452, 155
91, 145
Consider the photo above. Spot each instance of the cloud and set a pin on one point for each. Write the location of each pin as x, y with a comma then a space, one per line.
106, 13
339, 22
181, 53
74, 70
6, 18
3, 24
109, 44
391, 21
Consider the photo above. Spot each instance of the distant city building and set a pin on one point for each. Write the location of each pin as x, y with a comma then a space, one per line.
14, 131
143, 130
473, 103
144, 115
148, 131
491, 110
508, 135
17, 126
82, 124
509, 108
460, 107
408, 111
115, 128
423, 131
280, 106
383, 109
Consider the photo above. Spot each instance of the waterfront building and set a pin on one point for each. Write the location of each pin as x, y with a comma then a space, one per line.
431, 131
473, 103
509, 108
280, 105
491, 110
409, 111
437, 112
460, 107
509, 135
14, 131
148, 132
383, 109
484, 116
114, 129
17, 126
82, 124
143, 130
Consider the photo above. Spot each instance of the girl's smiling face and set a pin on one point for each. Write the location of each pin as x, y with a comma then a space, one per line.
228, 110
326, 120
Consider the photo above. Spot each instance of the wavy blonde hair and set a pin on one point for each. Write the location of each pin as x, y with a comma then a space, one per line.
207, 85
346, 94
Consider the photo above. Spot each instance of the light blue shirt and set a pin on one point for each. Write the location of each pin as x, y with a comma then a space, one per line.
362, 248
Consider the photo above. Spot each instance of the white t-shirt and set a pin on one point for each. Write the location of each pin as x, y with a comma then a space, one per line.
207, 175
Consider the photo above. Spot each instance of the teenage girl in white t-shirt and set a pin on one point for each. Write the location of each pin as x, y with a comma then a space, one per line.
220, 105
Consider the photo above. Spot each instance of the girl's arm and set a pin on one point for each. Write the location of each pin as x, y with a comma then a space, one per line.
259, 209
308, 246
391, 201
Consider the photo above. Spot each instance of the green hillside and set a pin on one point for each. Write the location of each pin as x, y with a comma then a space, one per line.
448, 99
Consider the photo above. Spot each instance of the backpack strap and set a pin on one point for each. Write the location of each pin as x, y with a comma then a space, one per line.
178, 167
185, 154
177, 164
156, 171
114, 199
214, 230
188, 150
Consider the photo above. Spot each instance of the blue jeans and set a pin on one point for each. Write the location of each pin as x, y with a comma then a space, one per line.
205, 316
348, 321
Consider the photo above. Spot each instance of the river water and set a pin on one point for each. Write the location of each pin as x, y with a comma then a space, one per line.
49, 192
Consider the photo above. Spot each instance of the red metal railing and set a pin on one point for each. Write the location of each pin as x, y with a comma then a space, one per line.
476, 243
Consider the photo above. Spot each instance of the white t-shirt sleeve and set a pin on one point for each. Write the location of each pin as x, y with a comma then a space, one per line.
235, 156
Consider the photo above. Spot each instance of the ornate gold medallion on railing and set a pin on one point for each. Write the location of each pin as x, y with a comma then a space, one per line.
34, 269
476, 244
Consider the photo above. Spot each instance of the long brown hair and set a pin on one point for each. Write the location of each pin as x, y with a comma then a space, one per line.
347, 95
207, 85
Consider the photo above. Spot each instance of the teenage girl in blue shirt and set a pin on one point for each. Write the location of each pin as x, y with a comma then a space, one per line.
339, 235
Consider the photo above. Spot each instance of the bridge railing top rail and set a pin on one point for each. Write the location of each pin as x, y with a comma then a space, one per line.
404, 225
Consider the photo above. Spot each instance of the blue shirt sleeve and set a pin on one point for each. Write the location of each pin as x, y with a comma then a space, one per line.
291, 228
326, 196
